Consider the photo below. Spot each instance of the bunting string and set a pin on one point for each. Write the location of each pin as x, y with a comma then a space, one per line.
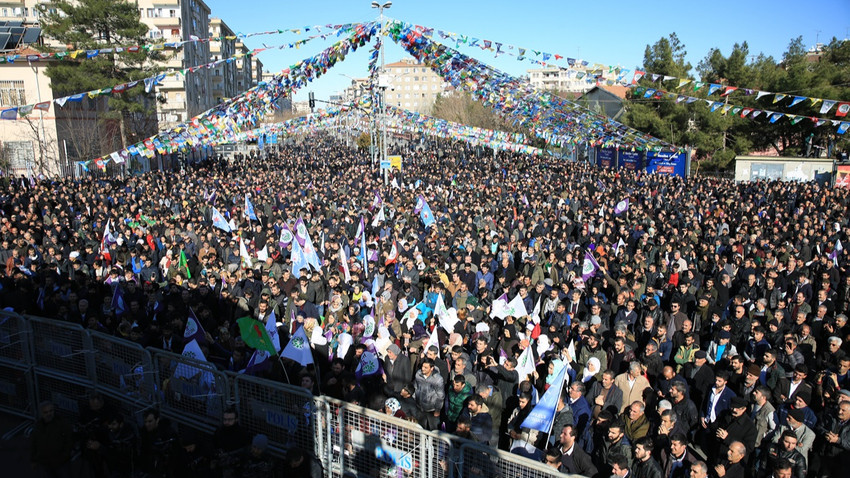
151, 47
226, 121
600, 74
12, 113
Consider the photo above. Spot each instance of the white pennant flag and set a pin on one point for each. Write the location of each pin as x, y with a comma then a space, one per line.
434, 340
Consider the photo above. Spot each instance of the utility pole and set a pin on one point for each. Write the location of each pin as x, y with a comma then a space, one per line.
382, 88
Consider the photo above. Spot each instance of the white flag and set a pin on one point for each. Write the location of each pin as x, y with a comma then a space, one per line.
434, 340
516, 307
500, 307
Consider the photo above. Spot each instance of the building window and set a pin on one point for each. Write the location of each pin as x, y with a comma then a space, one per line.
12, 93
20, 154
172, 13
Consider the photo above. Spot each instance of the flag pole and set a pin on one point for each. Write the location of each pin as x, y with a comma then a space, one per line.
280, 360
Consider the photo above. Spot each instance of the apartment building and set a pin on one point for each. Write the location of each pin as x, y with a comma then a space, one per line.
412, 85
558, 80
186, 95
223, 78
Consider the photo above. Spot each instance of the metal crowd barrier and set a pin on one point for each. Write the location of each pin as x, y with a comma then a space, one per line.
43, 359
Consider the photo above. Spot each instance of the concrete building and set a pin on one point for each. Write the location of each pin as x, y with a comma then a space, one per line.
224, 75
752, 168
606, 100
175, 20
558, 80
413, 85
30, 145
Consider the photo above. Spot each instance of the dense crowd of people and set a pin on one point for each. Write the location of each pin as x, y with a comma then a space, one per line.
711, 341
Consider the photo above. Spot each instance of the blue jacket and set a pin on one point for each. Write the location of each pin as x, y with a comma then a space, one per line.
723, 403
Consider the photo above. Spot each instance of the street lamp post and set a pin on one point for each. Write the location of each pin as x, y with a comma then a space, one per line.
381, 7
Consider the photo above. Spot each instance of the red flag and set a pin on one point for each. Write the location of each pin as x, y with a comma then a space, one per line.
843, 109
393, 257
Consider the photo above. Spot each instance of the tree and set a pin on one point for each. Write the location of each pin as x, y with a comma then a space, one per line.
101, 24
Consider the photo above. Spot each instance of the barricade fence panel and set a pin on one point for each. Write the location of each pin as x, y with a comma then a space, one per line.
378, 445
61, 348
14, 339
68, 397
193, 393
332, 451
286, 414
123, 368
43, 359
17, 391
480, 461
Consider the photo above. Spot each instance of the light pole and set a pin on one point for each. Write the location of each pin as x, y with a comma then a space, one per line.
381, 7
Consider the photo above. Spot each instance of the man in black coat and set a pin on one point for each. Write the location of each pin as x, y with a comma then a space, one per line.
397, 372
733, 465
676, 462
574, 460
736, 426
644, 465
700, 377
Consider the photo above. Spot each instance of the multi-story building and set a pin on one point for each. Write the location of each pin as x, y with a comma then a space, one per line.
186, 95
559, 80
413, 85
244, 72
223, 75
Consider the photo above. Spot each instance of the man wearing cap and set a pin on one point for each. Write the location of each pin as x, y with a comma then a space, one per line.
736, 426
801, 402
397, 371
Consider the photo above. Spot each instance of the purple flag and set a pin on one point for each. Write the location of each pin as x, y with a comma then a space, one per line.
621, 207
589, 268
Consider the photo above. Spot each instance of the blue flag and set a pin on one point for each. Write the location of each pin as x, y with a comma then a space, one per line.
118, 301
426, 215
542, 416
219, 222
298, 260
249, 209
298, 348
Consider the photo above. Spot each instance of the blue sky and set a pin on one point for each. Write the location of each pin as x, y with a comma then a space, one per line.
612, 33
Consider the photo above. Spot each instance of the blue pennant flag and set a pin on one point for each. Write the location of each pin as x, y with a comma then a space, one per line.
426, 215
249, 209
298, 348
118, 301
542, 416
219, 222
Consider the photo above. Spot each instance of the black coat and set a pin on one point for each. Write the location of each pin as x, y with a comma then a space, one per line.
578, 463
646, 469
398, 373
740, 429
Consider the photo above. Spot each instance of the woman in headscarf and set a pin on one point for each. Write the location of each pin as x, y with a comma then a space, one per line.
588, 375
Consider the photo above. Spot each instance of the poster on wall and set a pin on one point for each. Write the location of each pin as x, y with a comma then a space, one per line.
666, 162
606, 157
842, 176
631, 160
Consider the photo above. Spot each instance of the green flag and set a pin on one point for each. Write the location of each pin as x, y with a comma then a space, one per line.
183, 264
254, 335
148, 221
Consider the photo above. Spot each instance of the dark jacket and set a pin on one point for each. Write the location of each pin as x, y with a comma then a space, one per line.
578, 463
740, 429
681, 471
398, 373
646, 469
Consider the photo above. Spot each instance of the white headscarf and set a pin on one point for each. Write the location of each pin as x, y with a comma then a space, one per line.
383, 342
588, 373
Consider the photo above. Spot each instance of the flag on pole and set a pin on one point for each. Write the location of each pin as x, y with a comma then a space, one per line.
420, 204
589, 268
525, 363
500, 307
249, 209
344, 263
535, 314
621, 207
118, 300
426, 215
368, 366
105, 242
433, 340
285, 236
298, 260
243, 253
376, 221
298, 348
194, 330
393, 257
377, 201
516, 307
363, 250
263, 254
254, 334
219, 222
542, 416
183, 264
185, 371
361, 230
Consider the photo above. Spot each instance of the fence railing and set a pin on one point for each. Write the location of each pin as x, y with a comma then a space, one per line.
43, 359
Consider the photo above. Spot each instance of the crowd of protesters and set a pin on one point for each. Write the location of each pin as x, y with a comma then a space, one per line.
711, 341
